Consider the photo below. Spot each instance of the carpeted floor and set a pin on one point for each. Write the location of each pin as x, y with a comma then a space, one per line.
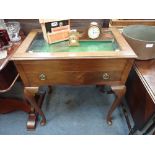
69, 111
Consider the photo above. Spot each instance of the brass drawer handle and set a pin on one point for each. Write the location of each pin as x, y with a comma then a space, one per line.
42, 77
106, 76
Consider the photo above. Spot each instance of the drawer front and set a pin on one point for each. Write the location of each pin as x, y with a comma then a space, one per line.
45, 78
75, 65
71, 71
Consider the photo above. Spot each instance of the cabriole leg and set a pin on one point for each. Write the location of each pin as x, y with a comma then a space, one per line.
119, 92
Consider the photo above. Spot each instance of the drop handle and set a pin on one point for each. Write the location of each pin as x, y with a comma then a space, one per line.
42, 77
106, 76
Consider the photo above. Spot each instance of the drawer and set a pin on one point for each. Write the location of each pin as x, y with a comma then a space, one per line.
72, 78
71, 72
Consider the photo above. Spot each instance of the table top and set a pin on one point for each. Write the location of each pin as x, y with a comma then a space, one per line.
146, 72
35, 48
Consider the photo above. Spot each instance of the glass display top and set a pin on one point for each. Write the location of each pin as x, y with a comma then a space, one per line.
40, 45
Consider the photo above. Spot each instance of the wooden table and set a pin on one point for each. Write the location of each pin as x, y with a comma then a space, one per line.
141, 92
74, 68
8, 77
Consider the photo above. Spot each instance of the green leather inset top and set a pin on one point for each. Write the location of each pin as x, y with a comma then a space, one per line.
40, 45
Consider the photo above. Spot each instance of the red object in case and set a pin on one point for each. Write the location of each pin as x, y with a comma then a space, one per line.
4, 38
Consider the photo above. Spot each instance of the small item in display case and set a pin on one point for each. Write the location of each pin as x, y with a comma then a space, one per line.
13, 29
74, 38
94, 30
4, 37
55, 30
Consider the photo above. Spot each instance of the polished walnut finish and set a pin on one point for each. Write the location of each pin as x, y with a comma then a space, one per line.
147, 69
74, 68
141, 92
73, 71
